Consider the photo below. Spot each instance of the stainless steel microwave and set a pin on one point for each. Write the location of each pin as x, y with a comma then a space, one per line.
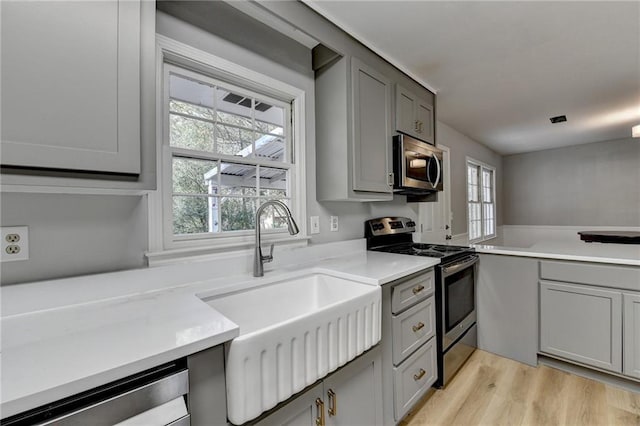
417, 166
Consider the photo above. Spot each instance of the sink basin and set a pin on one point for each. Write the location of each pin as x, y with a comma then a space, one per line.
292, 333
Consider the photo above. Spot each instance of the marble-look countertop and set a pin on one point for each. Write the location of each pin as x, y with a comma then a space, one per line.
619, 254
66, 336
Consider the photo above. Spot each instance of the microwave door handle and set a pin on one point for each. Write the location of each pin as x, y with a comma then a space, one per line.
438, 172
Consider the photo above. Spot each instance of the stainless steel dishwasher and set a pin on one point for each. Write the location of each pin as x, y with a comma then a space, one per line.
157, 396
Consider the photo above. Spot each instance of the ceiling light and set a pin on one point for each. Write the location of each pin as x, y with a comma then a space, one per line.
635, 131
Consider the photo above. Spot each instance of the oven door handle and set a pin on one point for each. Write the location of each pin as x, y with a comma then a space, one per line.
465, 263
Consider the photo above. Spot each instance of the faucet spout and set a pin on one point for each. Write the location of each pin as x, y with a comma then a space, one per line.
259, 260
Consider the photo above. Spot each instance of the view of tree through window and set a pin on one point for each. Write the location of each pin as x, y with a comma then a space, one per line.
229, 155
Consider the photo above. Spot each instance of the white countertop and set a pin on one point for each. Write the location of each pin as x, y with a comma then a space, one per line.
65, 336
620, 254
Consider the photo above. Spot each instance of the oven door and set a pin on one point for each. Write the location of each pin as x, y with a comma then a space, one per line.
458, 298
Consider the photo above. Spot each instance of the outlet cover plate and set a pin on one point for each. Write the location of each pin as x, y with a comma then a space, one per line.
9, 243
334, 223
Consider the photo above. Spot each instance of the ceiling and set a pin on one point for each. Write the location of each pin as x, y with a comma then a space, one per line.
502, 69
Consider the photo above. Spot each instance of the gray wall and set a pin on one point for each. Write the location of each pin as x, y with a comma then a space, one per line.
75, 234
461, 146
596, 184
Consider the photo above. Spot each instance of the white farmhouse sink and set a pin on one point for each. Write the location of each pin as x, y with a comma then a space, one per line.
293, 333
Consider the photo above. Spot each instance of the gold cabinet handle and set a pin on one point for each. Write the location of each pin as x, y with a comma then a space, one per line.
333, 403
320, 415
418, 289
420, 375
418, 326
415, 126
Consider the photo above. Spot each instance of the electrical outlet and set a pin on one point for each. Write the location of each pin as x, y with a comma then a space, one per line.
15, 243
315, 224
334, 223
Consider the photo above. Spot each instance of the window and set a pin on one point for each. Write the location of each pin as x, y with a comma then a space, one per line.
481, 201
227, 149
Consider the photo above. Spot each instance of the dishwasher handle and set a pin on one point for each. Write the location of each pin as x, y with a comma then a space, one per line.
126, 405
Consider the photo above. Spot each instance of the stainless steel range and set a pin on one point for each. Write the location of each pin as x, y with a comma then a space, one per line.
455, 290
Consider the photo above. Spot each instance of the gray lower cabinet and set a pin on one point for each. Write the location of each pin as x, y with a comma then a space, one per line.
507, 308
71, 84
408, 343
351, 396
631, 337
581, 323
353, 132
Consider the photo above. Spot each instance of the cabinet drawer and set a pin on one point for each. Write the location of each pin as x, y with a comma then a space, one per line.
412, 328
412, 291
414, 377
616, 276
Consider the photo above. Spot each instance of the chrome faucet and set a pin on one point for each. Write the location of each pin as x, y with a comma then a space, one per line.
259, 260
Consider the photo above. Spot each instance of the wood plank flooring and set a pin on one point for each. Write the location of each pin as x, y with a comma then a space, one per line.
491, 390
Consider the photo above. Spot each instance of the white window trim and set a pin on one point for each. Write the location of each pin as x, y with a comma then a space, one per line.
473, 161
161, 238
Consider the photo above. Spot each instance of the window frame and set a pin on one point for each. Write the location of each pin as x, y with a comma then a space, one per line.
175, 57
482, 166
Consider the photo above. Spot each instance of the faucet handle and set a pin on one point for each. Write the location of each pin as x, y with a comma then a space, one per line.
268, 258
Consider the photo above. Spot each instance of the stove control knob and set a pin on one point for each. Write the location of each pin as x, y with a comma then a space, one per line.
411, 224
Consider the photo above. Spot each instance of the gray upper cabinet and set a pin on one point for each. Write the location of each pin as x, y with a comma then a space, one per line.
353, 132
631, 338
414, 115
582, 324
71, 85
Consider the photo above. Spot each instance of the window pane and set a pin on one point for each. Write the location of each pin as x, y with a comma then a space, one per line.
487, 185
190, 109
473, 188
234, 108
190, 133
270, 146
273, 182
189, 91
272, 217
238, 179
269, 118
237, 213
190, 215
233, 141
489, 220
193, 176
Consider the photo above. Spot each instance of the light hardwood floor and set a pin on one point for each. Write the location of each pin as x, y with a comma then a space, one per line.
491, 390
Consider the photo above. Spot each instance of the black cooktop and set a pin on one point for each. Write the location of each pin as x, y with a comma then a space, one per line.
393, 235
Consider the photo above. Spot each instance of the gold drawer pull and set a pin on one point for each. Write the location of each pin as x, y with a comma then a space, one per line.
418, 326
418, 289
320, 416
420, 375
333, 403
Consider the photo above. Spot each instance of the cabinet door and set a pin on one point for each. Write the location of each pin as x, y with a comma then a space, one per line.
353, 395
371, 129
582, 323
71, 85
424, 122
405, 111
302, 411
632, 335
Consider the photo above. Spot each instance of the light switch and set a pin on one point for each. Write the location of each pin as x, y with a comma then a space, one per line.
315, 224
